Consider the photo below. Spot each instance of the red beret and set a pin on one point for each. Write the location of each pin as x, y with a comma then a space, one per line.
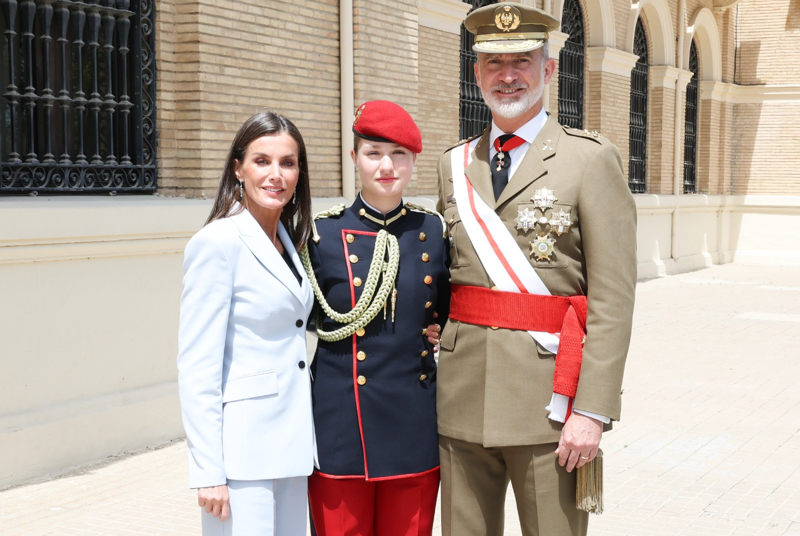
386, 121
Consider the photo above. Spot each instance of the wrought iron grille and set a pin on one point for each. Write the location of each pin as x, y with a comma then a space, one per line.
77, 112
638, 129
690, 131
474, 115
570, 67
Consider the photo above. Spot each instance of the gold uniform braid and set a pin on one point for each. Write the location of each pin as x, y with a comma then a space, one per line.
370, 302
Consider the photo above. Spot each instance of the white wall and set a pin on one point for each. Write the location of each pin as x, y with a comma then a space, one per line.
89, 300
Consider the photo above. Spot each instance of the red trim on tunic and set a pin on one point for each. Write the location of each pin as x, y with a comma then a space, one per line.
345, 232
379, 479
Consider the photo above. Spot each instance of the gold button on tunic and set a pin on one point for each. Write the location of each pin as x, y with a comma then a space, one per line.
350, 238
357, 281
425, 257
354, 258
361, 356
361, 380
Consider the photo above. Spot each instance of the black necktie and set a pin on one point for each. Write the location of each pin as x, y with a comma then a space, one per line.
500, 165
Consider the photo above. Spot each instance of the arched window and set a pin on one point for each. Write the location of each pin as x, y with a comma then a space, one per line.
690, 136
638, 132
570, 67
77, 97
474, 115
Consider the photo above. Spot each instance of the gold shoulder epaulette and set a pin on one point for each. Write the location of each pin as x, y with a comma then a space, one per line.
419, 208
462, 142
334, 211
585, 133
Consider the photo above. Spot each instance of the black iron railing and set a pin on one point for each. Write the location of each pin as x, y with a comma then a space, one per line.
474, 115
570, 67
77, 112
638, 119
690, 131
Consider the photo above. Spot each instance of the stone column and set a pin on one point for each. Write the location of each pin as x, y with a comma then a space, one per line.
557, 41
608, 106
711, 119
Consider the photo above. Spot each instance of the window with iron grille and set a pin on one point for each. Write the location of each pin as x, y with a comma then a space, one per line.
77, 96
570, 67
474, 115
690, 131
638, 119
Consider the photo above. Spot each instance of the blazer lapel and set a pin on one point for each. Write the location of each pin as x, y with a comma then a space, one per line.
254, 237
478, 172
533, 164
303, 290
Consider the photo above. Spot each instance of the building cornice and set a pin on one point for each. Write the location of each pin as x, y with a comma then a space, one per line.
442, 15
610, 60
557, 40
736, 94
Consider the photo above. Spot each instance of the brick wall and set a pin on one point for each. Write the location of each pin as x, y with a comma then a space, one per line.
661, 141
221, 61
765, 160
437, 112
769, 38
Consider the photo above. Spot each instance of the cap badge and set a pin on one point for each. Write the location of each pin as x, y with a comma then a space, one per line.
358, 113
507, 18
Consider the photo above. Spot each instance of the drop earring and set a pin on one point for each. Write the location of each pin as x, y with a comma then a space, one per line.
294, 197
241, 191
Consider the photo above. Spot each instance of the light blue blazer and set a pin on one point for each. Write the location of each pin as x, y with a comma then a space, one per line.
244, 383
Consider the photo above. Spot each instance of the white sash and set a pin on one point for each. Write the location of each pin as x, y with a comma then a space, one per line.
503, 260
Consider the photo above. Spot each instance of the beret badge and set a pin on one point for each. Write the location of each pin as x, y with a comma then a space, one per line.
358, 113
507, 18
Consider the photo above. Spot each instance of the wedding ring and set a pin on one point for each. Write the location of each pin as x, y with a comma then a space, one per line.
584, 457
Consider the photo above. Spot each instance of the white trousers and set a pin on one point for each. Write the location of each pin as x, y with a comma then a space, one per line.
263, 508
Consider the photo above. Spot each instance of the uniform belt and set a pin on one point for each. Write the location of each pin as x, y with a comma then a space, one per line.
530, 312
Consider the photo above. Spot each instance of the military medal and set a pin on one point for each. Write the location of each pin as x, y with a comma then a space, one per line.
542, 247
544, 199
561, 223
525, 219
500, 157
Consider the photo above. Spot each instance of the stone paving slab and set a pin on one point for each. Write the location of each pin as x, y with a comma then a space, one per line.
709, 443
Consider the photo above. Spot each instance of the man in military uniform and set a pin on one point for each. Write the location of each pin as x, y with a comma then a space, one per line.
542, 231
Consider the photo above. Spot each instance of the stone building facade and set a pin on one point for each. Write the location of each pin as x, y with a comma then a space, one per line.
91, 284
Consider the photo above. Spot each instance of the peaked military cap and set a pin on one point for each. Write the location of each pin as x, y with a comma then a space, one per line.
508, 28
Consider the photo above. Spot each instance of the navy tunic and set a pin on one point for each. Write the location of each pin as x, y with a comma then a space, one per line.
375, 392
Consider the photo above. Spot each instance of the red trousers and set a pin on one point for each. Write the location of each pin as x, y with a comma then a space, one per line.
357, 507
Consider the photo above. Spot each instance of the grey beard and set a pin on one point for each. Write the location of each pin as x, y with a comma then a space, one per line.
512, 109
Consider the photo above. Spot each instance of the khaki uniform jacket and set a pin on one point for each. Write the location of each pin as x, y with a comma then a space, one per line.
494, 384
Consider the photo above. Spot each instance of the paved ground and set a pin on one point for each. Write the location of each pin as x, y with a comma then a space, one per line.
709, 443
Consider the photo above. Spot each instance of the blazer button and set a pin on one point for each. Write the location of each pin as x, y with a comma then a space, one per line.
423, 237
428, 304
361, 356
299, 323
302, 365
424, 353
425, 257
423, 377
428, 280
361, 380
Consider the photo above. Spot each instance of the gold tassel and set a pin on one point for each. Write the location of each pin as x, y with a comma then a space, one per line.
589, 495
394, 302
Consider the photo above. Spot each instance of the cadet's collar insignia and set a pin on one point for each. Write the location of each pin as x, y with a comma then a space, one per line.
561, 222
593, 133
542, 247
507, 18
525, 220
547, 147
544, 199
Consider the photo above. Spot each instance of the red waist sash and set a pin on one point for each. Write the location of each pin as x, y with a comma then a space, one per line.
530, 312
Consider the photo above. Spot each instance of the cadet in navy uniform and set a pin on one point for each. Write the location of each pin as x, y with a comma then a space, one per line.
374, 372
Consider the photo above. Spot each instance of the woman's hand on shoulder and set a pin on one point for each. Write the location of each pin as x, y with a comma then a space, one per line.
215, 501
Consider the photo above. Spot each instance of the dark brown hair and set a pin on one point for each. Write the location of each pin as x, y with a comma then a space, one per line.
295, 217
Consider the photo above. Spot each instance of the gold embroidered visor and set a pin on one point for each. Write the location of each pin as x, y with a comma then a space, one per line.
509, 28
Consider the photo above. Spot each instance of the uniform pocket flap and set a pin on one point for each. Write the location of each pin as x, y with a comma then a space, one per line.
252, 386
448, 341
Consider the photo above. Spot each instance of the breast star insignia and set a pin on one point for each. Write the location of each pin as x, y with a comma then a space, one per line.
542, 247
525, 219
544, 199
561, 222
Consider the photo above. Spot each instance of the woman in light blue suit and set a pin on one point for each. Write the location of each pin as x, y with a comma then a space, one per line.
244, 384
